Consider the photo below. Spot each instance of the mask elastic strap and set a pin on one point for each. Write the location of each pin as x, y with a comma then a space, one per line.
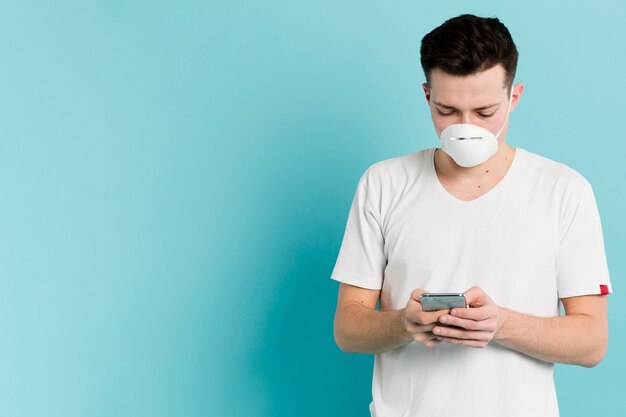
508, 111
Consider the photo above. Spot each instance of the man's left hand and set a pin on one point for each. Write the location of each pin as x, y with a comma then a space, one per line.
474, 326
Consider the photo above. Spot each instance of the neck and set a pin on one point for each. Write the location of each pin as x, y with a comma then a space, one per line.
497, 165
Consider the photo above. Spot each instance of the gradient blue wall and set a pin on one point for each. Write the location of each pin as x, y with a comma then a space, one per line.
175, 179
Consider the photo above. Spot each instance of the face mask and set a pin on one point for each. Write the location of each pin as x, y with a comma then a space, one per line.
470, 145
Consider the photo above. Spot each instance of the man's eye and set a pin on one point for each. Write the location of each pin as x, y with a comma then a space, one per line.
486, 116
445, 114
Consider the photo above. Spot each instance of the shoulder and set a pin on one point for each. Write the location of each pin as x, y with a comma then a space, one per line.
557, 176
397, 170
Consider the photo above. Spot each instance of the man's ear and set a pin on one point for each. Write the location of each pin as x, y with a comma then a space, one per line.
517, 94
426, 92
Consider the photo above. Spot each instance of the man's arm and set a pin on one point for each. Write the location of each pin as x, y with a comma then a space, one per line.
359, 327
580, 337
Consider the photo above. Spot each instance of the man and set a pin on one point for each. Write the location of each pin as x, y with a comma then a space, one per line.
514, 231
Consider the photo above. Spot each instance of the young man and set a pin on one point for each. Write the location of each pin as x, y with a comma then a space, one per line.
514, 231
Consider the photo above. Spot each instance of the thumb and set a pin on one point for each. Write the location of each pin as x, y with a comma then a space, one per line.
475, 297
415, 294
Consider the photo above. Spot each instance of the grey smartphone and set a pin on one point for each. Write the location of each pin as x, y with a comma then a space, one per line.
441, 301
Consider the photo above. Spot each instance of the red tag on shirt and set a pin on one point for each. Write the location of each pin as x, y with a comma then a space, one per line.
604, 289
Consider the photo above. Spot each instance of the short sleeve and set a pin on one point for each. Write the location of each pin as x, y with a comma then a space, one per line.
581, 266
361, 260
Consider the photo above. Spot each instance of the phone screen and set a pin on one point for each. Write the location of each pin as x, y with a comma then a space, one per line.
442, 301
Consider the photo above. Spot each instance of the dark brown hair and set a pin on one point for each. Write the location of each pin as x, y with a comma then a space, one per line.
468, 44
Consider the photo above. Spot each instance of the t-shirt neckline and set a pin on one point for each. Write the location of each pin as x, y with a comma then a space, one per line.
495, 190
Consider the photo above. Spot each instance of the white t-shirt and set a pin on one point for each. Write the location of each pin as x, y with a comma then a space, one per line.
532, 239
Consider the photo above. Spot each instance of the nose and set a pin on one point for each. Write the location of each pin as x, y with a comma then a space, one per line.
465, 118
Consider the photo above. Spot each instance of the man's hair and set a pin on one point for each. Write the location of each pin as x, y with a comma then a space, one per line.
468, 44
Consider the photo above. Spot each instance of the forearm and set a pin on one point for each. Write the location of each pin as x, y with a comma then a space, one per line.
575, 339
364, 330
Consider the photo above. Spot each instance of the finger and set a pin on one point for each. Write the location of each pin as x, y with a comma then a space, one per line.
476, 313
416, 293
426, 338
476, 325
456, 333
416, 328
415, 313
475, 296
422, 337
432, 343
429, 317
431, 336
471, 343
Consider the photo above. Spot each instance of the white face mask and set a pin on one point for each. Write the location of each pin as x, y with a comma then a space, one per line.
470, 145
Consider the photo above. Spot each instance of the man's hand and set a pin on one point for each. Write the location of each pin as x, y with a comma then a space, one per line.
474, 326
419, 323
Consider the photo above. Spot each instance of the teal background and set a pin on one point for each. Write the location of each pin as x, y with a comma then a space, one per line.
175, 179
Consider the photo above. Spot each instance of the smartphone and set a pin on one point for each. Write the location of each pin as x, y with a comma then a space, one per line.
441, 301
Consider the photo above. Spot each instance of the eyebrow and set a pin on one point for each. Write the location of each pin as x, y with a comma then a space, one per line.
445, 106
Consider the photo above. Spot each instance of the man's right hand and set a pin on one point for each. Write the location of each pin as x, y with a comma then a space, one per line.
418, 323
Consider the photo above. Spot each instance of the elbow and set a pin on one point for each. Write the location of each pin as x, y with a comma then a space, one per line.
340, 340
591, 361
343, 347
594, 358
